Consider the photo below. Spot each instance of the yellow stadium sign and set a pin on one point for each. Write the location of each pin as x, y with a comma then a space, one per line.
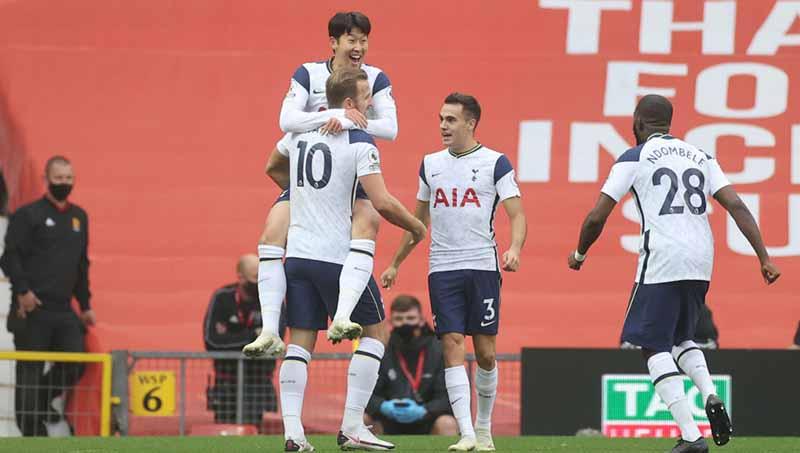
152, 393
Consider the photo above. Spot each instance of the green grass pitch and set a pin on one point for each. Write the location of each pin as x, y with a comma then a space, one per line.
404, 444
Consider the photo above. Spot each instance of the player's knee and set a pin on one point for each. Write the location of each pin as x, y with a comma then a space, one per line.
486, 360
445, 425
377, 331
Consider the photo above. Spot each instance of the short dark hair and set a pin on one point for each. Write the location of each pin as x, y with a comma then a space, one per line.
654, 112
57, 159
404, 303
343, 23
470, 105
343, 84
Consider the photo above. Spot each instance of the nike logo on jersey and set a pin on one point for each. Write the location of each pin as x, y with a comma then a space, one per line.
318, 91
435, 174
484, 324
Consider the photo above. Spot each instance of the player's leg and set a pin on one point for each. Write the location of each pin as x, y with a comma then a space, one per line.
651, 321
484, 299
693, 363
357, 268
271, 279
305, 315
362, 374
450, 310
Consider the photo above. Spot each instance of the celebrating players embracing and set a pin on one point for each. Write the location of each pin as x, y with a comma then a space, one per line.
306, 108
459, 189
324, 170
671, 182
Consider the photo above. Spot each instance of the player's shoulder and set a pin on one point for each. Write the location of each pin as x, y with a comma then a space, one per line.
377, 78
308, 71
359, 136
631, 154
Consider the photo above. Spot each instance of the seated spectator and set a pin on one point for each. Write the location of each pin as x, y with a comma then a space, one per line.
232, 320
410, 396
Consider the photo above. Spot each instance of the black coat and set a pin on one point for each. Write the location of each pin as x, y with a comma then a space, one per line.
393, 384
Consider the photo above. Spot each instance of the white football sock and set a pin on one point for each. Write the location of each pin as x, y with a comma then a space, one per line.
361, 378
293, 378
669, 387
692, 361
271, 285
457, 383
356, 272
486, 391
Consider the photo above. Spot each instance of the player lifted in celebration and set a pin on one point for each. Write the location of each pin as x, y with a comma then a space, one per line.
324, 171
671, 182
306, 108
459, 189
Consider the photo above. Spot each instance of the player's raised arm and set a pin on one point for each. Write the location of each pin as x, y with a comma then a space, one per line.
384, 125
293, 116
730, 200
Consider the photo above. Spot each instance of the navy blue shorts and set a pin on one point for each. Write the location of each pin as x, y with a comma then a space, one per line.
662, 315
465, 301
312, 294
360, 194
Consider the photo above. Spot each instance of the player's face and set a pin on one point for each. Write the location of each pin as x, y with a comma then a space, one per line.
350, 48
364, 98
454, 126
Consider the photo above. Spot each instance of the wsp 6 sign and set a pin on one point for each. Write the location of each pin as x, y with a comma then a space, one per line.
152, 393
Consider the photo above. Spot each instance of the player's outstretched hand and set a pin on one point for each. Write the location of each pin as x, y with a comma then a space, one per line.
389, 277
573, 263
770, 272
357, 117
332, 127
511, 260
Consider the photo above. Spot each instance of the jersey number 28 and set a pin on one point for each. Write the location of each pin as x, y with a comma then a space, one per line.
305, 168
691, 189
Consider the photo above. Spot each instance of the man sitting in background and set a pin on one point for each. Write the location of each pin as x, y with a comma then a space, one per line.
410, 396
232, 320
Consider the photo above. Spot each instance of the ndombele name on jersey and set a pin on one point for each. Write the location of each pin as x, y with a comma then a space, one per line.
664, 151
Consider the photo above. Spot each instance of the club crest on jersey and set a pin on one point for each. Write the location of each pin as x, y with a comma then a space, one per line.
475, 174
469, 197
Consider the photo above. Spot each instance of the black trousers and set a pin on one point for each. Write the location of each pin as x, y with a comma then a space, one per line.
44, 330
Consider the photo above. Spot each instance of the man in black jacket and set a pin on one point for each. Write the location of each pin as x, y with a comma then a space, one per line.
410, 396
233, 319
47, 262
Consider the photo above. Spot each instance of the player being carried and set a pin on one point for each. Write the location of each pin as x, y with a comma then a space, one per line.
306, 108
324, 170
459, 189
671, 182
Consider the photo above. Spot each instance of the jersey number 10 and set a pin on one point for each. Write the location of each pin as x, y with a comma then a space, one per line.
305, 168
691, 189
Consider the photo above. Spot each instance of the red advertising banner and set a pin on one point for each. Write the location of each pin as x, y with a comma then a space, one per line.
170, 109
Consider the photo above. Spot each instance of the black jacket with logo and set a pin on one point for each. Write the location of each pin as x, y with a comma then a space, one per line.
46, 252
393, 383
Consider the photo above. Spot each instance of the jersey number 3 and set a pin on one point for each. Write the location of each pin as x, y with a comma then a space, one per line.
691, 189
305, 167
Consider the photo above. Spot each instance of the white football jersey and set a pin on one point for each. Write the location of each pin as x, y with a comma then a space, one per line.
324, 172
307, 95
463, 192
671, 182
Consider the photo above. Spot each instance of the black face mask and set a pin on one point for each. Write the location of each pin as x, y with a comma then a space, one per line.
406, 331
251, 290
60, 191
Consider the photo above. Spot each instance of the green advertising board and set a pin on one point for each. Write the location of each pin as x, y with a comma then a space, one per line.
632, 408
